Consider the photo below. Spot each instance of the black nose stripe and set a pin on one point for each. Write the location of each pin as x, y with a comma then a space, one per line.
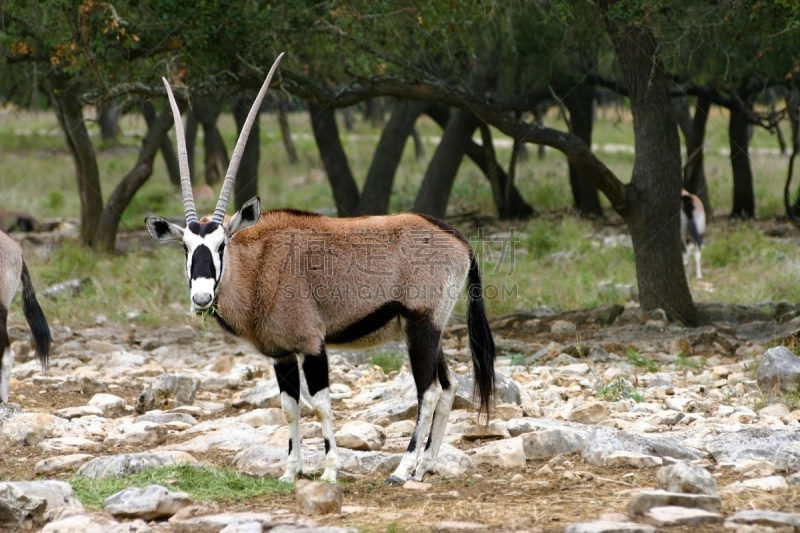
202, 263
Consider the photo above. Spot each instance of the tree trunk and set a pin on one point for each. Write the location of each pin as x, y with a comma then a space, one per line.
246, 185
373, 112
380, 177
793, 110
419, 146
108, 120
349, 118
744, 203
655, 186
434, 192
517, 206
216, 159
326, 134
580, 104
106, 237
286, 133
170, 159
694, 132
64, 95
191, 129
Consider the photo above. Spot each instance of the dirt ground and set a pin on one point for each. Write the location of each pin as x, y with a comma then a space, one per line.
574, 492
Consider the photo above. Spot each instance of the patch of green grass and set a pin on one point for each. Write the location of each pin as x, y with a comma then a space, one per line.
640, 361
685, 362
388, 361
792, 399
618, 389
516, 359
203, 484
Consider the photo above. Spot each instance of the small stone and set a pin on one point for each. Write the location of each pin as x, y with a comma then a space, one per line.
644, 500
608, 526
77, 412
62, 463
772, 519
314, 498
766, 484
590, 413
453, 525
680, 516
496, 429
150, 503
416, 485
359, 435
111, 405
687, 477
562, 327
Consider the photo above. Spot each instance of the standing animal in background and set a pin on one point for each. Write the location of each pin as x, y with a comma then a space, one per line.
17, 220
693, 227
293, 283
13, 271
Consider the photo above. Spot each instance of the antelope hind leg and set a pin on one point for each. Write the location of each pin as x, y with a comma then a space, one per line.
288, 375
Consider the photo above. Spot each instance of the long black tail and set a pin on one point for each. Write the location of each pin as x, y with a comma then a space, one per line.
481, 342
36, 320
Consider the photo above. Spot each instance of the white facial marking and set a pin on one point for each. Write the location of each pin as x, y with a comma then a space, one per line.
202, 289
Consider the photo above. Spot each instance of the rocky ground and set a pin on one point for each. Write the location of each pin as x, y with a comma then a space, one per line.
595, 411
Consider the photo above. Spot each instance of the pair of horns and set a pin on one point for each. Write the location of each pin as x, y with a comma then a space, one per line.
183, 159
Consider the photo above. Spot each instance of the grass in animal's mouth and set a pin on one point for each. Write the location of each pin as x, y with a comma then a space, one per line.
203, 484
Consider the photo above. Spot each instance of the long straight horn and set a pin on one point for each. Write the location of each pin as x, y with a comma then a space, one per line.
183, 160
236, 158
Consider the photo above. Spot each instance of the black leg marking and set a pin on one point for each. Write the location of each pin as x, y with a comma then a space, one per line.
327, 446
4, 341
412, 444
430, 435
423, 348
290, 446
315, 367
288, 374
442, 370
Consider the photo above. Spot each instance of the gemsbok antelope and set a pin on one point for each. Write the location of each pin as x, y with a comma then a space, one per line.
13, 271
693, 228
292, 283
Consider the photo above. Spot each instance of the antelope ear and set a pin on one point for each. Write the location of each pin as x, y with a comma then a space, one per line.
162, 230
245, 217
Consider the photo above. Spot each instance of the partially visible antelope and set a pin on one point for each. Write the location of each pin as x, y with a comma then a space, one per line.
693, 228
14, 271
292, 283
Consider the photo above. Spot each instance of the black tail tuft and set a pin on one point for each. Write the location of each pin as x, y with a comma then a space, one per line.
36, 320
481, 342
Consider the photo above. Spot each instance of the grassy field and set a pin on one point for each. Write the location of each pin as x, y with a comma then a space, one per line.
559, 260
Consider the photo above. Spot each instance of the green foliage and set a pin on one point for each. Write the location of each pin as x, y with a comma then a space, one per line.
388, 361
203, 484
618, 389
516, 359
685, 362
640, 361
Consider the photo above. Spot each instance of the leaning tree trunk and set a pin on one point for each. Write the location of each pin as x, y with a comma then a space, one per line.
793, 110
694, 132
434, 192
106, 237
580, 104
64, 95
286, 133
380, 177
207, 111
655, 186
326, 134
190, 131
744, 203
246, 185
170, 159
516, 206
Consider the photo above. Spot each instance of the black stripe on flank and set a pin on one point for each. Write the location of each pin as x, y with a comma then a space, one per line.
370, 323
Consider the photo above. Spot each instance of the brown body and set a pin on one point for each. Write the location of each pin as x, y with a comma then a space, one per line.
329, 274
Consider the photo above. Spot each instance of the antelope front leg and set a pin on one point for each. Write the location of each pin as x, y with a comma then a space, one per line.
315, 368
288, 374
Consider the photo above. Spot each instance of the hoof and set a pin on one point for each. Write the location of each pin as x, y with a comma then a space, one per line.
394, 480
